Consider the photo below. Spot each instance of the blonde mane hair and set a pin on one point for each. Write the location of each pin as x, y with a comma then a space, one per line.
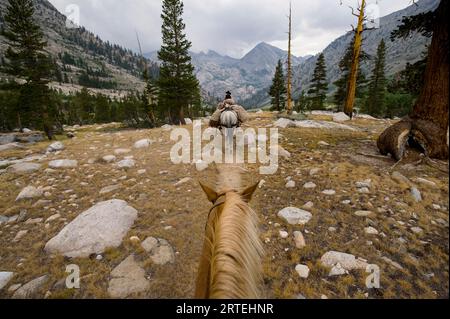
230, 266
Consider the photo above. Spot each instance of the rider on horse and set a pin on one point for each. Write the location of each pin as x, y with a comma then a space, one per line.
228, 114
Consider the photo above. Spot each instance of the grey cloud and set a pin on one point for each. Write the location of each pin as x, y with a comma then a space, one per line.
227, 26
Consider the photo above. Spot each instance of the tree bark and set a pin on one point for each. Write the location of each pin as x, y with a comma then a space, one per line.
353, 76
428, 122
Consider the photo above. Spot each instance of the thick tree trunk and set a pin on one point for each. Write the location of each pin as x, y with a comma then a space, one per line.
428, 124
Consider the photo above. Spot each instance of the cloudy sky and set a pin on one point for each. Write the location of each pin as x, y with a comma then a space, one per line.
231, 27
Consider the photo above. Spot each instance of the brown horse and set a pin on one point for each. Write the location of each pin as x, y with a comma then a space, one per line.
230, 265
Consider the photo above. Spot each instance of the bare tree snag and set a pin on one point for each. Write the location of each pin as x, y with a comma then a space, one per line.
289, 62
428, 122
353, 76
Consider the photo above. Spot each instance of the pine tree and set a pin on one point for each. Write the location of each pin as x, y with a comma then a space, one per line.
278, 89
178, 86
319, 85
342, 84
377, 86
26, 59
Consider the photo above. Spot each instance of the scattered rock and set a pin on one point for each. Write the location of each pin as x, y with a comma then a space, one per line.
308, 206
188, 121
310, 185
33, 221
370, 231
23, 168
295, 216
161, 252
143, 143
416, 194
128, 279
284, 123
166, 127
290, 184
109, 158
425, 182
417, 230
52, 218
392, 263
401, 179
329, 192
31, 288
109, 189
314, 171
284, 234
302, 270
346, 261
142, 171
299, 239
337, 270
126, 163
20, 235
55, 147
7, 138
340, 117
102, 226
323, 143
280, 151
365, 184
29, 192
64, 163
5, 277
364, 190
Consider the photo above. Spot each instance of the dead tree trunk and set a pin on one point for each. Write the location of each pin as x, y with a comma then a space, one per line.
353, 76
427, 125
289, 71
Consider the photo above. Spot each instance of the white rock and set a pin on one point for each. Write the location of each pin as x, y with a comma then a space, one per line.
340, 117
284, 123
329, 192
102, 226
302, 270
416, 194
109, 189
299, 239
109, 158
64, 163
23, 168
417, 230
337, 270
128, 279
166, 127
29, 192
323, 143
143, 143
280, 151
308, 206
55, 147
20, 235
364, 190
426, 182
126, 163
290, 184
188, 121
310, 185
295, 216
370, 231
314, 171
29, 289
5, 277
324, 125
347, 261
53, 217
142, 171
284, 234
161, 252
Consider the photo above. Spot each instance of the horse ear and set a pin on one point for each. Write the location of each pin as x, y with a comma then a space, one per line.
248, 193
210, 193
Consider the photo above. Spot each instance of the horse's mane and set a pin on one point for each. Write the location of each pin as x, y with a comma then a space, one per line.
236, 250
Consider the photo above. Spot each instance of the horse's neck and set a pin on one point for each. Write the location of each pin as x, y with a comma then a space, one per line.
236, 251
